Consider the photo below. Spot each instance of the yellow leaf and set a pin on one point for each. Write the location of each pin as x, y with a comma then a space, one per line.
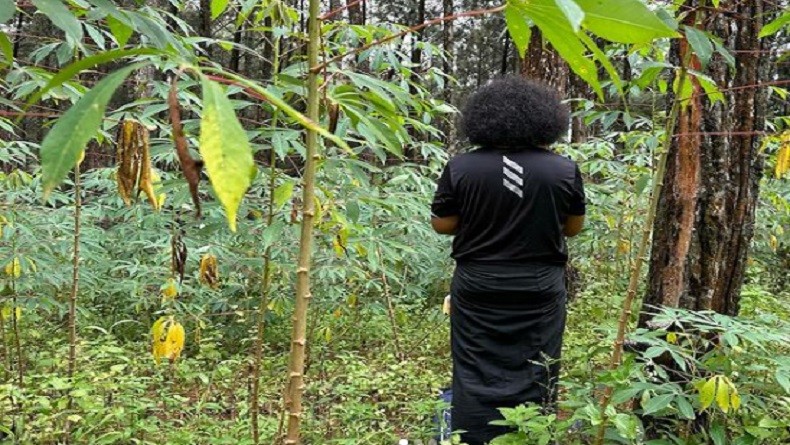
170, 290
5, 312
783, 157
773, 242
735, 398
623, 246
352, 300
672, 338
167, 337
707, 393
175, 341
225, 149
13, 268
723, 393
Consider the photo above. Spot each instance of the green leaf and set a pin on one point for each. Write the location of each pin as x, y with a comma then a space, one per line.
64, 144
61, 17
657, 403
283, 193
556, 29
774, 26
7, 11
624, 21
225, 149
218, 7
707, 393
700, 43
519, 29
718, 434
572, 12
7, 48
685, 408
120, 30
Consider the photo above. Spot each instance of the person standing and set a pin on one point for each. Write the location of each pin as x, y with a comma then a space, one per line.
510, 203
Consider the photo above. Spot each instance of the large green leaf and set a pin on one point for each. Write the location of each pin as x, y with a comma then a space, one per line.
7, 11
64, 144
556, 29
61, 17
218, 7
519, 28
572, 12
225, 150
624, 21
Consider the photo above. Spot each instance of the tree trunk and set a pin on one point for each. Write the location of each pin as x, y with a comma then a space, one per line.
705, 220
543, 63
356, 12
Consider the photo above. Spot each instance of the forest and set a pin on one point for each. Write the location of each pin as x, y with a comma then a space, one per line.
215, 218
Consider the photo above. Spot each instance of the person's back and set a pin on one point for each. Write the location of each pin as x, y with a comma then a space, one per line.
510, 204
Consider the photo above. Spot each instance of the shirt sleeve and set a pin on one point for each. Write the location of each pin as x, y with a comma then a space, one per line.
578, 203
445, 202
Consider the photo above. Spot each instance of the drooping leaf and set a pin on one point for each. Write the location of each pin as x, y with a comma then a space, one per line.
707, 393
225, 149
61, 17
62, 146
723, 393
557, 30
519, 29
774, 26
624, 21
700, 43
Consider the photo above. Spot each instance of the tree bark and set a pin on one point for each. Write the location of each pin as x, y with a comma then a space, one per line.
706, 217
356, 12
543, 63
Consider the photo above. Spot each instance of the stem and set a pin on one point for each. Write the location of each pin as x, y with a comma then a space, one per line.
644, 244
390, 311
75, 277
298, 340
267, 270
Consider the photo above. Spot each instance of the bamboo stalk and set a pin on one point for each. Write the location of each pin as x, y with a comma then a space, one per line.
644, 245
298, 337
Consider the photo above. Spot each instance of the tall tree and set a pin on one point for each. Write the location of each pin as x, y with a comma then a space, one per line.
705, 219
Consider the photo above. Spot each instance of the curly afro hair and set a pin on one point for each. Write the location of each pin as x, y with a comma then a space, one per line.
514, 112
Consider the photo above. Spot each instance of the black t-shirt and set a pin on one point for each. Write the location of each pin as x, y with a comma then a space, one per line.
511, 205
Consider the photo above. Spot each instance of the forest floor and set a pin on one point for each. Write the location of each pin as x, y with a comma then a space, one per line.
362, 387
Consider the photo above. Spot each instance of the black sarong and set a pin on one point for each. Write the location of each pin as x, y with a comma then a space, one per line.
507, 325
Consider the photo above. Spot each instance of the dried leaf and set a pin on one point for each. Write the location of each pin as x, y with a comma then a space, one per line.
209, 273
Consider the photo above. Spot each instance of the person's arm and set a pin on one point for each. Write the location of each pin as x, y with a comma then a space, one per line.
445, 208
444, 226
573, 225
574, 222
